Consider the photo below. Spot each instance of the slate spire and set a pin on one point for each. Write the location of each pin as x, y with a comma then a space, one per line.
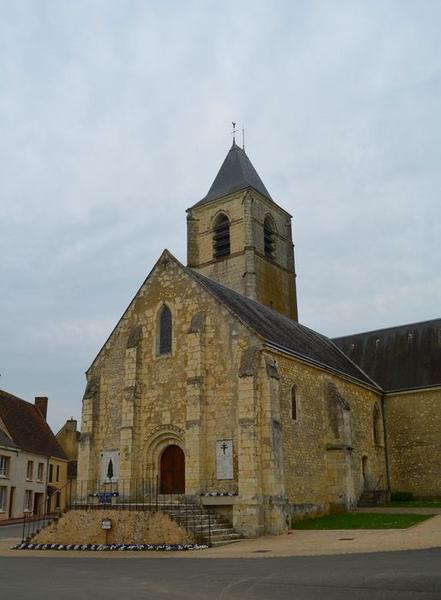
236, 173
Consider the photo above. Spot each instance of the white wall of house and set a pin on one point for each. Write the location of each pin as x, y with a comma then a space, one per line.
26, 490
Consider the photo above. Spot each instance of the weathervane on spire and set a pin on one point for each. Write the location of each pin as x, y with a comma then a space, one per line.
234, 132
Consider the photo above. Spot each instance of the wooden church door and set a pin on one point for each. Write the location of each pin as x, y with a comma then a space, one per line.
172, 471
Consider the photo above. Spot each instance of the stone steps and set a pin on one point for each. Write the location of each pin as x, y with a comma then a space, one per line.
197, 519
371, 498
200, 520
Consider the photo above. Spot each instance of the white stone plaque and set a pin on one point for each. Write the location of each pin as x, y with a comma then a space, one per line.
224, 459
109, 466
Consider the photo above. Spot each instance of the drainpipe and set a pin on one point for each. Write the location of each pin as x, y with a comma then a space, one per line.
386, 450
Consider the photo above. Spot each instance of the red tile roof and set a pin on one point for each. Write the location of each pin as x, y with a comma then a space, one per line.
27, 427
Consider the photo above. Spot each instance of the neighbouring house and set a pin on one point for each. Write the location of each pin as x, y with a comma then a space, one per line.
69, 437
33, 466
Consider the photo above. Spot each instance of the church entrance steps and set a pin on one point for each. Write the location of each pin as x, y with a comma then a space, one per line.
204, 523
371, 498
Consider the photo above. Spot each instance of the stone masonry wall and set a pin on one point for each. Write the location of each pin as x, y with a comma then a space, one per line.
413, 425
323, 461
146, 401
246, 270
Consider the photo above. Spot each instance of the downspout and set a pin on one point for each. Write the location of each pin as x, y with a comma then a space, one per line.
386, 450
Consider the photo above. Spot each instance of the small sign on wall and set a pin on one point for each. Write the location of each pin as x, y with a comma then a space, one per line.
224, 459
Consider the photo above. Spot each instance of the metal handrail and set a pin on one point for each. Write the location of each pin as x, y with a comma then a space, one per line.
125, 494
32, 522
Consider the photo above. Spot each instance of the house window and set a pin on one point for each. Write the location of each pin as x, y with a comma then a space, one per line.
293, 404
269, 238
58, 500
165, 331
30, 470
4, 466
28, 500
221, 236
3, 496
51, 473
58, 473
40, 472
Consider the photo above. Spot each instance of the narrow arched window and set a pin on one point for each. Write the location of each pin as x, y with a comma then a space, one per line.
221, 236
293, 404
269, 238
165, 331
377, 425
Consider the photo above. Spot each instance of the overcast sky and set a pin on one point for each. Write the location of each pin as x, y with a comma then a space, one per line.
116, 115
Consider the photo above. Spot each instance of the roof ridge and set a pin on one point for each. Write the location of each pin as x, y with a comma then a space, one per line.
27, 427
311, 336
390, 328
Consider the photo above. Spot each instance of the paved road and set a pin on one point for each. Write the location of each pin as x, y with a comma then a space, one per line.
385, 576
11, 531
14, 531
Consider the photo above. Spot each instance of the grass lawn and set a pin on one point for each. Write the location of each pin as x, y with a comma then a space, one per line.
362, 521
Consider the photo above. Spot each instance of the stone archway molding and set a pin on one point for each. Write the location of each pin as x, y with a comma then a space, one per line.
159, 439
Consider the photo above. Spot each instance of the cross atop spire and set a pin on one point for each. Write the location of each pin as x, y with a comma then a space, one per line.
234, 131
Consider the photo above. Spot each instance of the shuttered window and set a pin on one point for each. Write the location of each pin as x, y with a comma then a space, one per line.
269, 238
221, 236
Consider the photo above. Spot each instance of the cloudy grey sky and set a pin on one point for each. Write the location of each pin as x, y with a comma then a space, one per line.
115, 117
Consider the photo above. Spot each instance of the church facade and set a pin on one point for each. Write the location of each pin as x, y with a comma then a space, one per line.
209, 386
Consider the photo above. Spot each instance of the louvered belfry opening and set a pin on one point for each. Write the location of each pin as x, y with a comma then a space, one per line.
165, 330
221, 237
269, 238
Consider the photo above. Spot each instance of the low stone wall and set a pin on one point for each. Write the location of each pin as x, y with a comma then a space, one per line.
128, 527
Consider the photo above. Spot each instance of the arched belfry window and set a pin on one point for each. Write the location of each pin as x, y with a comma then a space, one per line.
269, 237
293, 404
221, 236
165, 331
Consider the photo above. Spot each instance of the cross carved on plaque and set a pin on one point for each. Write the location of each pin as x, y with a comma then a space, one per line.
224, 447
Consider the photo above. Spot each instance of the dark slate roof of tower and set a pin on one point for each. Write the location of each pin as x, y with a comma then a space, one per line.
236, 173
398, 358
27, 427
284, 333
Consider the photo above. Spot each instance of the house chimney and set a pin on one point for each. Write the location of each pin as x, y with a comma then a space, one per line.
41, 405
71, 424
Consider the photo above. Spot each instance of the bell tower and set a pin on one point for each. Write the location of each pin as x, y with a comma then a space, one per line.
238, 236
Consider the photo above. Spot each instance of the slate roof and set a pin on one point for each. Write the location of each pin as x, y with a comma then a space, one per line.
284, 333
6, 441
398, 358
27, 427
236, 173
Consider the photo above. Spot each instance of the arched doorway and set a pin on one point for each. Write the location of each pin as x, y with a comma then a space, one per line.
172, 470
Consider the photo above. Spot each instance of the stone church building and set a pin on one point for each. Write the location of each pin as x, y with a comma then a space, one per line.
209, 384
